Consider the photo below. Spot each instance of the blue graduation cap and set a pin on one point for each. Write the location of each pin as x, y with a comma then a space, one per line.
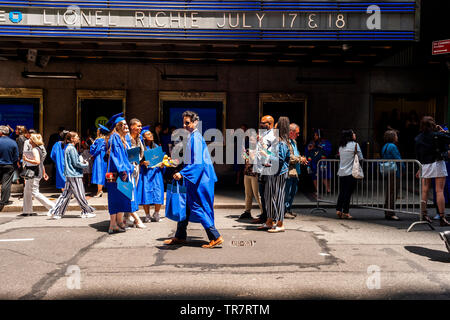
114, 120
103, 129
144, 130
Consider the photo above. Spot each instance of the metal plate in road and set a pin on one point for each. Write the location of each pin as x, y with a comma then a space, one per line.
248, 248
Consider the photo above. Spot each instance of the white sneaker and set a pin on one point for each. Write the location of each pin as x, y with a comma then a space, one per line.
55, 217
130, 222
49, 213
88, 215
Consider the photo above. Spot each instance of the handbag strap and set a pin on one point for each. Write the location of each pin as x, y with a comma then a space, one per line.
109, 159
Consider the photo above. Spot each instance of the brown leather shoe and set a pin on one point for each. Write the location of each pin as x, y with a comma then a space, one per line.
173, 241
214, 243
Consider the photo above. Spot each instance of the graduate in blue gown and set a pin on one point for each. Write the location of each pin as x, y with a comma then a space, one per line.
57, 155
199, 177
118, 164
98, 151
150, 188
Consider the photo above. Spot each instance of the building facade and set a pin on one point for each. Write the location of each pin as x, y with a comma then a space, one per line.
326, 64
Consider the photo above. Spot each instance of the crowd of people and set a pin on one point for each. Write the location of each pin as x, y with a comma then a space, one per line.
431, 149
106, 162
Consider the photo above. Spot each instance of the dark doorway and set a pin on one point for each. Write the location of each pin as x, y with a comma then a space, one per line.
402, 114
295, 111
97, 111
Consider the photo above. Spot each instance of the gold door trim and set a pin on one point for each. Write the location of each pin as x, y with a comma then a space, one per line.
285, 97
25, 93
99, 94
193, 96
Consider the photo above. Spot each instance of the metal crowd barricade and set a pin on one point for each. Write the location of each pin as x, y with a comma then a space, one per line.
375, 190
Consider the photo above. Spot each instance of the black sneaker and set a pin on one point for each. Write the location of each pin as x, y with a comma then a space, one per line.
246, 215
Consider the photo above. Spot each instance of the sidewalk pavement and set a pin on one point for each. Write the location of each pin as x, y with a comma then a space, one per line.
223, 199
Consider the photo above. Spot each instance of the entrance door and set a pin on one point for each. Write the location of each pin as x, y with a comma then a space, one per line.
294, 107
96, 107
402, 114
21, 107
97, 111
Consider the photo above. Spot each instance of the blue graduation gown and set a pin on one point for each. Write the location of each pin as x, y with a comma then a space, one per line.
200, 178
118, 162
98, 150
57, 155
150, 188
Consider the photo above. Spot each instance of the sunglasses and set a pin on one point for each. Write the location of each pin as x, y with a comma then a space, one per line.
186, 123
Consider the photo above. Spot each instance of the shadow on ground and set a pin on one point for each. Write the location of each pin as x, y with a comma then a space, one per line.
433, 255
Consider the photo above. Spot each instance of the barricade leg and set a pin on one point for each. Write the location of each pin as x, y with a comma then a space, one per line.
319, 188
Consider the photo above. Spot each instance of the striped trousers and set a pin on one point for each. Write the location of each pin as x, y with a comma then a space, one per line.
73, 186
274, 194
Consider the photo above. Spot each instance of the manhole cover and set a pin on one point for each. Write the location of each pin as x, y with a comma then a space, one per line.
247, 247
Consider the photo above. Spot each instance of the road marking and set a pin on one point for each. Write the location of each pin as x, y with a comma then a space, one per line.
13, 240
323, 254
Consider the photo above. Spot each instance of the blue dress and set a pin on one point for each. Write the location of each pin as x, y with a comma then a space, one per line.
150, 188
57, 155
118, 162
200, 177
98, 150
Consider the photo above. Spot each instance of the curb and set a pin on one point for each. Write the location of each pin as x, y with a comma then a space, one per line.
40, 208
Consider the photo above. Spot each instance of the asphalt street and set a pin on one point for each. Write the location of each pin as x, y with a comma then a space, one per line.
318, 257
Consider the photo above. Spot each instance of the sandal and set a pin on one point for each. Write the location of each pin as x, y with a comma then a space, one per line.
394, 217
347, 216
339, 214
117, 230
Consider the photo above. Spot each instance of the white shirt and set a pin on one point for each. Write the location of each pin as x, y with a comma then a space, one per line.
268, 141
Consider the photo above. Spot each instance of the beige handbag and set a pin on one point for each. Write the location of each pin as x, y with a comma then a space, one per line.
357, 172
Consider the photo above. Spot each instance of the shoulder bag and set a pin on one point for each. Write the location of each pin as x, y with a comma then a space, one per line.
387, 167
357, 172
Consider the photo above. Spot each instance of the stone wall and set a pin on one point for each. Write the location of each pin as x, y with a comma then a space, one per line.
330, 106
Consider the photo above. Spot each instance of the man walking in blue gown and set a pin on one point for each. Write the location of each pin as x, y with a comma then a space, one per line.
200, 177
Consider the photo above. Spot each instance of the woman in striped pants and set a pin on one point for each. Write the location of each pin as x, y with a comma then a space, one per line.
275, 186
73, 171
